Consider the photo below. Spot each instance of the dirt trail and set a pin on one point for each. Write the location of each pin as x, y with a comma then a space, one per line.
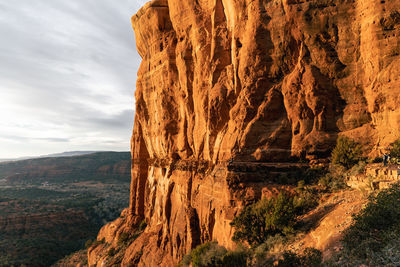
333, 215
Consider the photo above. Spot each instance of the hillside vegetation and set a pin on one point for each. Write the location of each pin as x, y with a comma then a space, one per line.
267, 231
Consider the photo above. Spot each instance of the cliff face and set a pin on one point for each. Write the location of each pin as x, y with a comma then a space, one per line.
247, 82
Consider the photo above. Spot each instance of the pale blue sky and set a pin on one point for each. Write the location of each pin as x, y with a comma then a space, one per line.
67, 75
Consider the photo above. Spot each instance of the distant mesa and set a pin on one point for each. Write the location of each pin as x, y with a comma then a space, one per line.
55, 155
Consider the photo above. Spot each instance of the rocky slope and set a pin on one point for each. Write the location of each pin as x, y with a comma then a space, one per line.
226, 86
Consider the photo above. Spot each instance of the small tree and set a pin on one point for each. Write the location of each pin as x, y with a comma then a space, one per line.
347, 152
267, 217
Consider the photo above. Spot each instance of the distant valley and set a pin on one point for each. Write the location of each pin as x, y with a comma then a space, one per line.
49, 207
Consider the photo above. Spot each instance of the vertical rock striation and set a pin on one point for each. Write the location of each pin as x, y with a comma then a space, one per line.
247, 82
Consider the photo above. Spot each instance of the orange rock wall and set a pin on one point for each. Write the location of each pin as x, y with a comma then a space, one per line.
249, 81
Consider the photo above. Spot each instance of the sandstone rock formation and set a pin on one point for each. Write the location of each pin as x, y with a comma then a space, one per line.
228, 85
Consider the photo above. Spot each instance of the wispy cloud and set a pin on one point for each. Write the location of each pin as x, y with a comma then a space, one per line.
67, 75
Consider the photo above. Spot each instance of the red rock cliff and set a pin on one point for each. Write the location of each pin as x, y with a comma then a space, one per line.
247, 81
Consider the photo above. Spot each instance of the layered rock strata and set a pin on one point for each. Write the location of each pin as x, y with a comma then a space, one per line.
226, 86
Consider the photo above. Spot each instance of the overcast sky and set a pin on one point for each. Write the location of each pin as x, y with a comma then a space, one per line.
67, 75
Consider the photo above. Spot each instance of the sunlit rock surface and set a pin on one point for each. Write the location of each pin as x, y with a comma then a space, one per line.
247, 82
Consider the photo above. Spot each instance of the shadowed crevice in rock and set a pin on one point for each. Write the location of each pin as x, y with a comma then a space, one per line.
139, 173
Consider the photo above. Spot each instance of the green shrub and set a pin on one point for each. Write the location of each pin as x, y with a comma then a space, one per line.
395, 150
268, 217
390, 254
263, 255
374, 228
376, 160
234, 259
335, 178
111, 252
142, 226
300, 186
210, 254
264, 218
290, 259
186, 261
98, 242
305, 200
358, 168
310, 258
346, 153
123, 238
281, 214
260, 252
311, 175
88, 243
126, 238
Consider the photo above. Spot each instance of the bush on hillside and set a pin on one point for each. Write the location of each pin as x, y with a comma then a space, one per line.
268, 217
96, 242
346, 153
210, 254
359, 168
125, 238
375, 230
111, 252
395, 150
88, 243
376, 160
334, 180
311, 258
312, 175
